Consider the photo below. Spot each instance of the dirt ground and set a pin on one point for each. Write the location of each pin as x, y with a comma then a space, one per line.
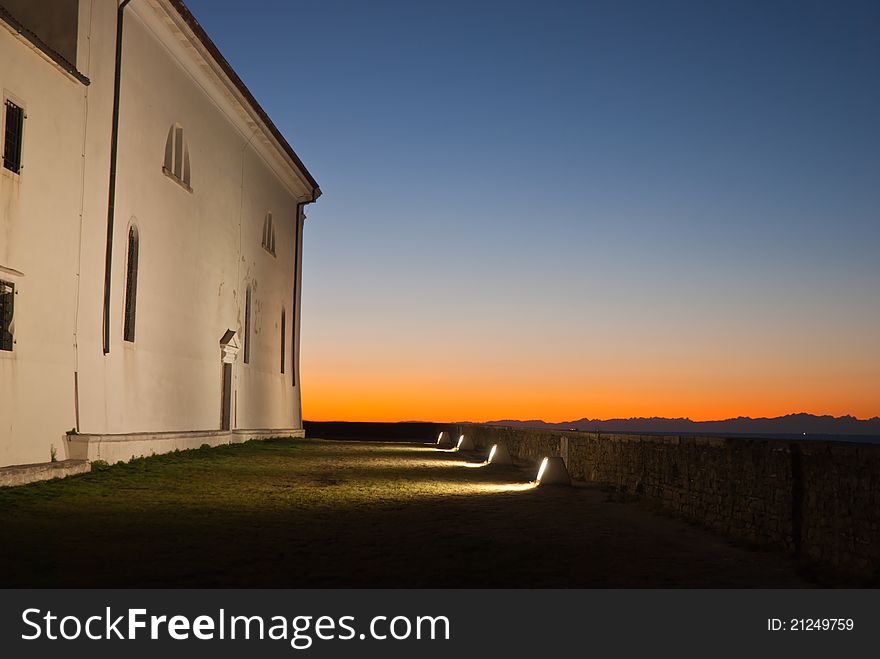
311, 513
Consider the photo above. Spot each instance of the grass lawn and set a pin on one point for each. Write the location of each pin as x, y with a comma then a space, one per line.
310, 513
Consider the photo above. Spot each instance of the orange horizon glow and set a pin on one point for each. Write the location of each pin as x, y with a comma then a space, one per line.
388, 399
585, 371
665, 355
574, 417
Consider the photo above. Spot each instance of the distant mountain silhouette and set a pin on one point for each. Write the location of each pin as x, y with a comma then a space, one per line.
790, 424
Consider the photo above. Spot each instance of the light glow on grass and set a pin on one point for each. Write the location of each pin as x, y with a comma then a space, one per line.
404, 448
508, 487
432, 488
391, 463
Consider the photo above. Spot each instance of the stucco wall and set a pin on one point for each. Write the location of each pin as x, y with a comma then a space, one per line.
198, 250
39, 233
818, 500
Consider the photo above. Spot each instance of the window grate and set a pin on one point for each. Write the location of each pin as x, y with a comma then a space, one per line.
13, 138
7, 306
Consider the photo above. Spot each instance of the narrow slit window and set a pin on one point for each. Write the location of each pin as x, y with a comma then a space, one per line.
186, 165
178, 152
283, 338
168, 166
247, 326
7, 306
13, 138
269, 234
131, 277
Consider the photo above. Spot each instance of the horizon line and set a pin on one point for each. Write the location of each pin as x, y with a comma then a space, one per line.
621, 418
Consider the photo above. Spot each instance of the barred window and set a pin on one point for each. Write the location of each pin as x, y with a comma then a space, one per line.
7, 305
131, 276
13, 138
176, 163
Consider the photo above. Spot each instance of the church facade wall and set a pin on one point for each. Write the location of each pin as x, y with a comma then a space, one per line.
214, 208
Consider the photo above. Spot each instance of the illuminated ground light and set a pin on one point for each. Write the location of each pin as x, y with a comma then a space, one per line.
499, 455
553, 472
465, 444
444, 442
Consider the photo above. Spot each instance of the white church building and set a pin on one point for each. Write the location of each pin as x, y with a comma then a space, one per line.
151, 220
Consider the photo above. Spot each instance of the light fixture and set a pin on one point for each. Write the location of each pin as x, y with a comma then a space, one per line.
499, 455
541, 470
442, 438
465, 443
553, 472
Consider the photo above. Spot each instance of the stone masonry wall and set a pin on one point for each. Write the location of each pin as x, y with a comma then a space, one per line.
839, 503
818, 500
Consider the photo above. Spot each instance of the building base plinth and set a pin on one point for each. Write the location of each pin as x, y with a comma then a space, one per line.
121, 448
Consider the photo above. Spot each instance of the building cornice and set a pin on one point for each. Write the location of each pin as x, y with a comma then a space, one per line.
189, 27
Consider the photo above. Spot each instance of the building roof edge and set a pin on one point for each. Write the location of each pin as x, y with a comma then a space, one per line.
212, 49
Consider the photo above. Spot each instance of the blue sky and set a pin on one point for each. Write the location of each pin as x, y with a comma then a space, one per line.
579, 209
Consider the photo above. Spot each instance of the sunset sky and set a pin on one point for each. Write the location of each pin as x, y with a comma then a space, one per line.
557, 210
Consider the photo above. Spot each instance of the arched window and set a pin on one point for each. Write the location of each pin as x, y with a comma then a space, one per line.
131, 276
269, 234
247, 326
177, 156
283, 337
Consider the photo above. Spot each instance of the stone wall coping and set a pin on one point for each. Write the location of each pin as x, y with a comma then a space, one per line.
41, 471
60, 465
806, 445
